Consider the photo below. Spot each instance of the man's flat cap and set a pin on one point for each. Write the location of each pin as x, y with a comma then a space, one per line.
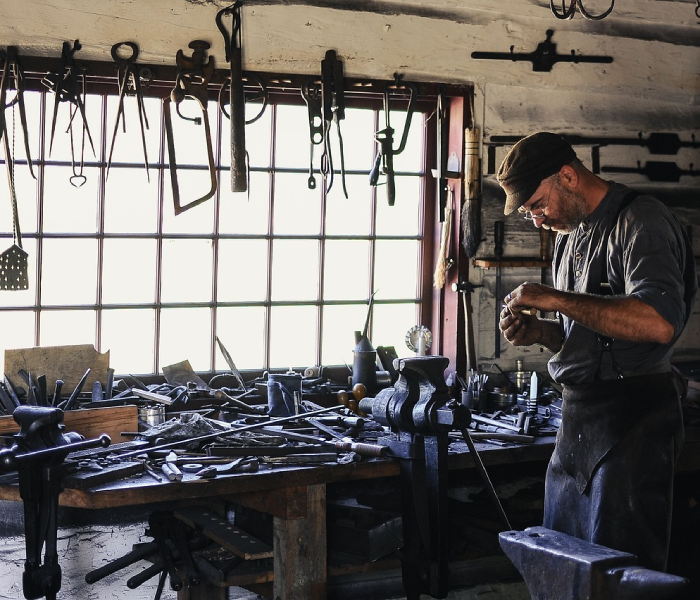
531, 160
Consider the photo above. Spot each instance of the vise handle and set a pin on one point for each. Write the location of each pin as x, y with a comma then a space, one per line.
10, 460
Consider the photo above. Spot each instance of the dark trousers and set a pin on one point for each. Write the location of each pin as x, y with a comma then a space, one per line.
610, 479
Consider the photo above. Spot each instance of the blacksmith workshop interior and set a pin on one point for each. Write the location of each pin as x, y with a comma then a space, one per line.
254, 259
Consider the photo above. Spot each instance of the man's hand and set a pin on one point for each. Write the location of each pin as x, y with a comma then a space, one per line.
520, 329
532, 296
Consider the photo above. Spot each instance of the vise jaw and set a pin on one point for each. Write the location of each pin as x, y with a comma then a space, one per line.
557, 566
418, 401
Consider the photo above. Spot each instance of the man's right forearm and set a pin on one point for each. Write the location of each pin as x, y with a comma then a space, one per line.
551, 335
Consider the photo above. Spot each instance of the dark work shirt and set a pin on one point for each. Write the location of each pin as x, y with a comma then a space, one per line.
643, 258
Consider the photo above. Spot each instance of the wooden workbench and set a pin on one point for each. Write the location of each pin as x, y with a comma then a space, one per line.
295, 496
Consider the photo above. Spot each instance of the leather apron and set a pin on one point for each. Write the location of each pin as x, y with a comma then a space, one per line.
610, 479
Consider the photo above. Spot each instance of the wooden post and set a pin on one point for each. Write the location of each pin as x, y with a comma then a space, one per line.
299, 547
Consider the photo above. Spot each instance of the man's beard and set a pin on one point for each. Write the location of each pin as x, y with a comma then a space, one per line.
571, 210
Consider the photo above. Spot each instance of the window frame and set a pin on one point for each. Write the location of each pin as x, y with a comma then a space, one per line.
282, 89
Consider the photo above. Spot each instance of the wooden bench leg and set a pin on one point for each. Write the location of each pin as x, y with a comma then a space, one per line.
203, 591
300, 551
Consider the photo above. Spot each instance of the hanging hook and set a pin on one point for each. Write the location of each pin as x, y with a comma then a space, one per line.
568, 13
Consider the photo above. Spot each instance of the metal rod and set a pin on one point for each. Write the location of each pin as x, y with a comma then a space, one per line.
211, 436
485, 476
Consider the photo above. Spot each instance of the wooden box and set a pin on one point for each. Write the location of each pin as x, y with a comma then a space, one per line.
90, 422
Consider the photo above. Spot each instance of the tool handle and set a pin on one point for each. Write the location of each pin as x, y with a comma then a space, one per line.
362, 449
498, 230
135, 581
135, 555
237, 125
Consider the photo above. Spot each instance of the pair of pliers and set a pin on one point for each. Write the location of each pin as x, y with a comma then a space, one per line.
13, 78
66, 88
129, 81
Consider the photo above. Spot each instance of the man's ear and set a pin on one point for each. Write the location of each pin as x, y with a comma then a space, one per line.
568, 177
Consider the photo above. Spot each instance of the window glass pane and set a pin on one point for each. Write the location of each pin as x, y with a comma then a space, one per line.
131, 207
411, 159
128, 145
313, 230
32, 104
349, 216
17, 330
295, 270
292, 336
189, 138
396, 278
129, 271
297, 209
185, 334
240, 214
391, 323
129, 335
346, 270
242, 270
187, 271
193, 184
404, 217
21, 297
25, 192
67, 327
339, 326
257, 138
69, 271
61, 149
242, 331
68, 208
359, 146
292, 145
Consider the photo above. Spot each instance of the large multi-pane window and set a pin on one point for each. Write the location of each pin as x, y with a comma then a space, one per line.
282, 274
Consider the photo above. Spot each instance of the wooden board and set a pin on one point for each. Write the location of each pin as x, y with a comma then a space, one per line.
91, 422
68, 363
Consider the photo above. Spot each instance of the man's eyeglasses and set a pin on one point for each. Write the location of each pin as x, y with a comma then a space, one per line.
529, 213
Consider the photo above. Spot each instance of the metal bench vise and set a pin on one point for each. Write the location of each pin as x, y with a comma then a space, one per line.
38, 455
418, 411
557, 566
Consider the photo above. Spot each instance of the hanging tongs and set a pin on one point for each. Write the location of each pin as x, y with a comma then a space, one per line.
333, 107
68, 85
13, 79
191, 82
384, 161
129, 77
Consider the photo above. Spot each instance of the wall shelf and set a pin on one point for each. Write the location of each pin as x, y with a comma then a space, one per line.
488, 263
